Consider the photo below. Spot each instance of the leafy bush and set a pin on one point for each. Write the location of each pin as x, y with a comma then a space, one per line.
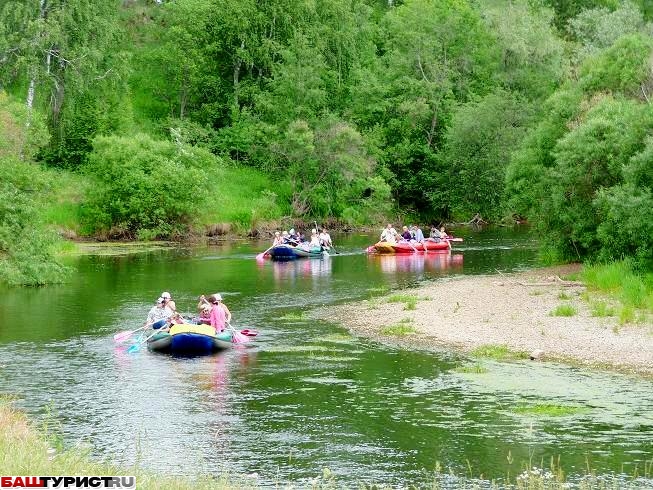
25, 244
146, 188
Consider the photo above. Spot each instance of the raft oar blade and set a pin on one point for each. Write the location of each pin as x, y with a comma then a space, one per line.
134, 348
123, 335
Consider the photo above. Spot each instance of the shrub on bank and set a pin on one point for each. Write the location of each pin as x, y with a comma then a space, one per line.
145, 188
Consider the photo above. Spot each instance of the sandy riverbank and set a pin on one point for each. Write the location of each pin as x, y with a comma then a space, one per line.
512, 310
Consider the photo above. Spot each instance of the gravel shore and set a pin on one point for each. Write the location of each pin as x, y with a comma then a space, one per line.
513, 310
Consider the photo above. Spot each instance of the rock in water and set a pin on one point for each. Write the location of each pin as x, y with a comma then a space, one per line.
536, 354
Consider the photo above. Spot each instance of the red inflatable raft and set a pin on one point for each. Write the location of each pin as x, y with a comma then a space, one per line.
410, 247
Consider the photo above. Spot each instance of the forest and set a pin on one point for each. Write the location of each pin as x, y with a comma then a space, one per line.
139, 119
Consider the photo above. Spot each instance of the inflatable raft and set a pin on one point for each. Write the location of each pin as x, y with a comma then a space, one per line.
404, 247
289, 252
190, 339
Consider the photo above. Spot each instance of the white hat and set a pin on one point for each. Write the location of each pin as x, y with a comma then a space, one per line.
166, 295
217, 297
291, 231
160, 300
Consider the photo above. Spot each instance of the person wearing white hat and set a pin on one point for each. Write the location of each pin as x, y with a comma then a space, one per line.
220, 314
167, 299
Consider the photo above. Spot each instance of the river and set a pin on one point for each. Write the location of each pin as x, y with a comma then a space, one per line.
305, 395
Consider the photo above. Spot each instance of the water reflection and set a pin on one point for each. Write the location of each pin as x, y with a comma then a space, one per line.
432, 261
303, 268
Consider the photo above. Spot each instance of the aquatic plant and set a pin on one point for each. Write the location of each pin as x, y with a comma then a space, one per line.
472, 369
293, 316
549, 410
497, 352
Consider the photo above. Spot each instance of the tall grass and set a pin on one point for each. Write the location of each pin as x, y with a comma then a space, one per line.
244, 197
620, 281
67, 191
409, 300
238, 196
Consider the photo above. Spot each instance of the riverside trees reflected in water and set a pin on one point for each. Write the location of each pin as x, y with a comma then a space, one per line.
419, 262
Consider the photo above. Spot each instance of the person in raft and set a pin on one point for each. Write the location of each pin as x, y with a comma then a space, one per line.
159, 315
418, 236
220, 314
167, 300
203, 311
389, 234
315, 239
435, 235
406, 234
325, 239
278, 239
294, 238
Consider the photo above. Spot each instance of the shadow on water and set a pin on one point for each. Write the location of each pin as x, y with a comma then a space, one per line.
305, 395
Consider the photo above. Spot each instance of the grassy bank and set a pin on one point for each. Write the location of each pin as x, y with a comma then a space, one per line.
26, 451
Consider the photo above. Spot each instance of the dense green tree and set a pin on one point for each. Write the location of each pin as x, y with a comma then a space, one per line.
565, 10
479, 143
26, 245
435, 55
598, 29
331, 172
533, 60
590, 158
58, 53
575, 170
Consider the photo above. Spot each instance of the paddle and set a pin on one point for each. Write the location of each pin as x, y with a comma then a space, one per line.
411, 245
120, 336
452, 239
261, 256
248, 332
136, 347
236, 337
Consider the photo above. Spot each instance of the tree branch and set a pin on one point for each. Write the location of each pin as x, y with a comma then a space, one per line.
421, 69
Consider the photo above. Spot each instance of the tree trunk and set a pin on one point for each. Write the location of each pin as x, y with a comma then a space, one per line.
183, 93
237, 64
31, 91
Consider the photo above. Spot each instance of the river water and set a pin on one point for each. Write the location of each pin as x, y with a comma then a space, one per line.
305, 395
